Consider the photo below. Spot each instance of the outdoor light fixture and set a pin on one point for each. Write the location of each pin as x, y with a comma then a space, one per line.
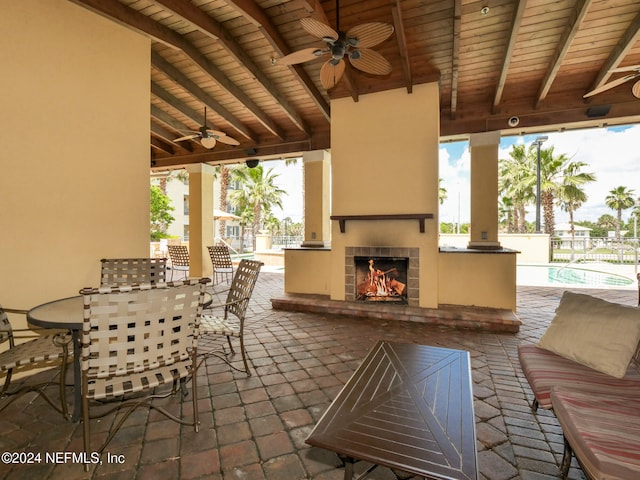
538, 142
208, 142
252, 162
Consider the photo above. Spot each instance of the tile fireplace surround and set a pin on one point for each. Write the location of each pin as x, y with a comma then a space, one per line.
413, 276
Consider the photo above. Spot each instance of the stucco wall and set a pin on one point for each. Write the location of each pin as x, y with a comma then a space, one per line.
75, 148
478, 279
384, 160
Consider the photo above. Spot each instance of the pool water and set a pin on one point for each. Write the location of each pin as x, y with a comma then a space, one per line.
540, 275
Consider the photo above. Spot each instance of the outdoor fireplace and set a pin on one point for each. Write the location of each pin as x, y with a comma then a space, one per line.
381, 279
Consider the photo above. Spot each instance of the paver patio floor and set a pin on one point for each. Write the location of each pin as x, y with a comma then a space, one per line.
254, 427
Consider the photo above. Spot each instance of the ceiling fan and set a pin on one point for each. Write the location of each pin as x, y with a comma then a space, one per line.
635, 69
355, 44
208, 138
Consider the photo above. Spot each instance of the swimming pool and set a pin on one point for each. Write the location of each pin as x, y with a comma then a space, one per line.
559, 275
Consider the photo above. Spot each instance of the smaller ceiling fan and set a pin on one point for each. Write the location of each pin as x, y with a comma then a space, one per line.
208, 138
354, 44
635, 69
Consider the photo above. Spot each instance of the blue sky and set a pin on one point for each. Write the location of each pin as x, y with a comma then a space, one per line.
613, 154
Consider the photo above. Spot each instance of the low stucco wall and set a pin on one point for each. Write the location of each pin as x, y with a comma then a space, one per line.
532, 248
307, 270
480, 278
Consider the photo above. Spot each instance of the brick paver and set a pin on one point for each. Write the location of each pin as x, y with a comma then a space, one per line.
254, 428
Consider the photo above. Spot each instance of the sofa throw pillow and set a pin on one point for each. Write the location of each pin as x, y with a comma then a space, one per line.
593, 332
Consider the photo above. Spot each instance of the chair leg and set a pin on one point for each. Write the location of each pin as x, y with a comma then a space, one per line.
230, 345
566, 460
86, 431
244, 356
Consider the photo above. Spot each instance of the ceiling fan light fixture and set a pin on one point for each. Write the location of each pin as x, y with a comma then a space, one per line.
355, 55
208, 142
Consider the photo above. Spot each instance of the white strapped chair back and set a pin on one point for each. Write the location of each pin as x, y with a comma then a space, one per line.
222, 264
179, 256
232, 321
136, 338
130, 271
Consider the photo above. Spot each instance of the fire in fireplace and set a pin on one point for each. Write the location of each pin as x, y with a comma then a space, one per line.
381, 279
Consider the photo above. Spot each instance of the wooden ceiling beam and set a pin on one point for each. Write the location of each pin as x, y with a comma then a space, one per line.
169, 137
628, 40
518, 13
141, 23
179, 105
398, 25
282, 149
162, 146
254, 14
455, 55
163, 117
178, 77
213, 29
577, 16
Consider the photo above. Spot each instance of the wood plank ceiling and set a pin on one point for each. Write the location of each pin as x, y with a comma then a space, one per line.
495, 60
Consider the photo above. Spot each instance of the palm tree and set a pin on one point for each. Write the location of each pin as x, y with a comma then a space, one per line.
514, 184
223, 172
442, 192
257, 193
619, 199
570, 194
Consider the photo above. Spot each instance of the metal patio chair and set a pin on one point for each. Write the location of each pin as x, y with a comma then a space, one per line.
129, 271
231, 320
179, 256
222, 264
46, 350
136, 338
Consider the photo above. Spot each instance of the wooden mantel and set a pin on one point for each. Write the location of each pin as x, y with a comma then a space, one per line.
342, 219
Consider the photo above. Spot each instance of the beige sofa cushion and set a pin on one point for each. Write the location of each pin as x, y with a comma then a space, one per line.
593, 332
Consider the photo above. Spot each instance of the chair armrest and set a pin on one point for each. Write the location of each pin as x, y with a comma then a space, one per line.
227, 304
15, 310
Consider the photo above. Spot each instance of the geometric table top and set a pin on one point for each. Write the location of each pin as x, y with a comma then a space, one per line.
408, 407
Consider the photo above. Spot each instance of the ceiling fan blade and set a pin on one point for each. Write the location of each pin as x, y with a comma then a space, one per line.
318, 29
331, 74
371, 61
636, 89
304, 55
370, 34
187, 137
630, 68
612, 84
227, 140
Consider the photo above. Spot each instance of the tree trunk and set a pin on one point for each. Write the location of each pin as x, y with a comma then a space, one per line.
573, 233
547, 207
224, 188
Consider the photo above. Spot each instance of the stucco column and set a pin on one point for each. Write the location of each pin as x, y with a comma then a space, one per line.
484, 191
200, 218
317, 225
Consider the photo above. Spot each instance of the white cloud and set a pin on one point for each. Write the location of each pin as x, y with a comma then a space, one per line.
455, 175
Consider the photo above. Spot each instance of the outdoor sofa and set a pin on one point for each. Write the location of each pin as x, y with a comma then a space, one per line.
586, 367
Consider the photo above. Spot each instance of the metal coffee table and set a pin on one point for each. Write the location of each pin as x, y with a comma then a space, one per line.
407, 407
